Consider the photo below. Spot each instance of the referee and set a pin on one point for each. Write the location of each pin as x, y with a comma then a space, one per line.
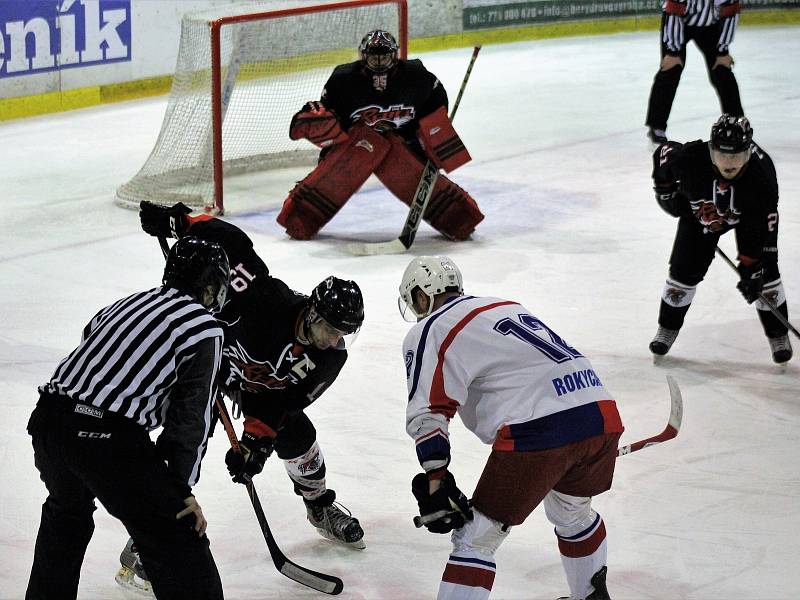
146, 361
711, 24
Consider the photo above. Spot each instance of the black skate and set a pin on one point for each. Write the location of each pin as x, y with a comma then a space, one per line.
781, 348
663, 341
131, 575
598, 582
333, 523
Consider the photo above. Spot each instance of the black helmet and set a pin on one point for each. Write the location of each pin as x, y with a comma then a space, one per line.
340, 303
193, 265
378, 51
731, 135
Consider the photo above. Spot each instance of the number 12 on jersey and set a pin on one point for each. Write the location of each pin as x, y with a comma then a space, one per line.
556, 349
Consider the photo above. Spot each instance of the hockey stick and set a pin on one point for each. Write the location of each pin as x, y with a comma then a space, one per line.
327, 584
778, 315
673, 424
421, 197
670, 431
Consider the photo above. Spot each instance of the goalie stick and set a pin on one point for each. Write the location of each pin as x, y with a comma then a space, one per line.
778, 315
421, 197
327, 584
670, 431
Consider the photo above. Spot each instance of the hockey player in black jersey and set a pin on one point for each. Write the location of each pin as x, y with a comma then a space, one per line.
282, 351
712, 187
384, 115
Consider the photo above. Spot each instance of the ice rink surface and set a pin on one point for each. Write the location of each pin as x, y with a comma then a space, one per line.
562, 171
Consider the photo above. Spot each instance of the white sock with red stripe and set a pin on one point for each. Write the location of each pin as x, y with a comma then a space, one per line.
469, 575
583, 553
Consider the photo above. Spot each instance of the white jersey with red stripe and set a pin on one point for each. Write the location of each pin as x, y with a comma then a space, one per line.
514, 382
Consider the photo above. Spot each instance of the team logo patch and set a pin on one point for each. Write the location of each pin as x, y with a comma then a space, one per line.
397, 114
89, 411
674, 296
409, 361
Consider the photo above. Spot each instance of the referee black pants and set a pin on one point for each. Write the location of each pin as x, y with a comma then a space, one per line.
82, 457
665, 83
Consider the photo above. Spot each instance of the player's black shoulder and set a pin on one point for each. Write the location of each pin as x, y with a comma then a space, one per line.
346, 71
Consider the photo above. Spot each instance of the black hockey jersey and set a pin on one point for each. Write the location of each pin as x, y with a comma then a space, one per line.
263, 363
749, 202
394, 100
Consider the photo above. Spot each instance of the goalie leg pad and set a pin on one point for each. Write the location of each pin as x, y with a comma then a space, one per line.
441, 142
316, 199
451, 210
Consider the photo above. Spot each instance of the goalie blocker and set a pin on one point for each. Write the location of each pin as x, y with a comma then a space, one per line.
363, 151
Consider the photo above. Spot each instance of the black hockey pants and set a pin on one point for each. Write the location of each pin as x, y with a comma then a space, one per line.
111, 458
692, 254
665, 83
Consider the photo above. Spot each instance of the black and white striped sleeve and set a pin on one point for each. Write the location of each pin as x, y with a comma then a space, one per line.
728, 20
187, 422
672, 29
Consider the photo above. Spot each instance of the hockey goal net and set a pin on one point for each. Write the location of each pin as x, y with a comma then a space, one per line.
242, 72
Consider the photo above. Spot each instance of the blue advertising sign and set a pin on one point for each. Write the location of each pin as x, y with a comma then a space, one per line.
48, 35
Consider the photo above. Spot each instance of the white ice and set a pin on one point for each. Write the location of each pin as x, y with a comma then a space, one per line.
562, 170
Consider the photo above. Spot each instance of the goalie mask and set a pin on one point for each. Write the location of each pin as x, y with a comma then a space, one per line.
199, 268
729, 145
335, 313
433, 275
378, 51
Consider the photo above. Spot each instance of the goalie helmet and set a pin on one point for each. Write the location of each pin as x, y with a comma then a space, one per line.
731, 135
340, 303
433, 275
378, 51
196, 266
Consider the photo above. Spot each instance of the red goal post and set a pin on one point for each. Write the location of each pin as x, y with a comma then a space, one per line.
242, 72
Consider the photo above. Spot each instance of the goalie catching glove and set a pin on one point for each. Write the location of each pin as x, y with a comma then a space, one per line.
163, 221
443, 510
246, 462
318, 125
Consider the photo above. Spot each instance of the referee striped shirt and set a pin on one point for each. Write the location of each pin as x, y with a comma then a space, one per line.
723, 14
152, 357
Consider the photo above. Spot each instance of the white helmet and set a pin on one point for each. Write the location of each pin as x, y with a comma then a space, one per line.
431, 274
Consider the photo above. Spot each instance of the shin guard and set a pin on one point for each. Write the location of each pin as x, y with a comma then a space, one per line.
316, 199
451, 210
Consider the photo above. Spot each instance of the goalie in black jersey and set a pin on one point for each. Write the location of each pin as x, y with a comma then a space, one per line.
386, 116
282, 350
712, 187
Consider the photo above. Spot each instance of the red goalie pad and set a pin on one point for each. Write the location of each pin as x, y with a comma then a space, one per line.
318, 125
450, 211
317, 198
441, 142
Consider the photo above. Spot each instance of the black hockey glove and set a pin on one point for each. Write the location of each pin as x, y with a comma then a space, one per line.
162, 221
670, 199
444, 510
751, 282
249, 461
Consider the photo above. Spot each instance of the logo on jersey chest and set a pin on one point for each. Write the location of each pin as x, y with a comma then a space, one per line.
397, 114
292, 366
724, 201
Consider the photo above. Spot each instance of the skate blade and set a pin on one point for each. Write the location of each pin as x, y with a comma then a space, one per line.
357, 545
128, 580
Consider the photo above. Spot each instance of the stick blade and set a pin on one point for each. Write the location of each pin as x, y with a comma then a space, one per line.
676, 398
375, 248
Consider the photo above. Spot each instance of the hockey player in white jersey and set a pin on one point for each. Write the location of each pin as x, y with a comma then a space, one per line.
520, 387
